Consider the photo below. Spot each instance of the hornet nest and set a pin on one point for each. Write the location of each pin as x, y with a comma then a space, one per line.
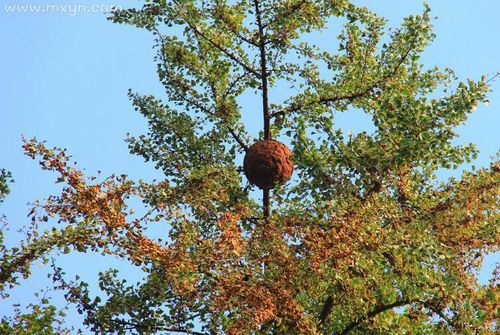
268, 163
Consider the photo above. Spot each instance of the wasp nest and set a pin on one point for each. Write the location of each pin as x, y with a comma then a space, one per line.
267, 163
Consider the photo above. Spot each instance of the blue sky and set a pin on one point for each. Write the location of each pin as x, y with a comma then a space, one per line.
64, 78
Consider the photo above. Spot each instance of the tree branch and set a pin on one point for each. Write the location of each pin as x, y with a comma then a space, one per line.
233, 83
265, 99
84, 303
382, 308
217, 46
237, 138
377, 310
263, 72
292, 10
195, 101
323, 100
233, 30
138, 326
327, 307
16, 262
350, 97
438, 312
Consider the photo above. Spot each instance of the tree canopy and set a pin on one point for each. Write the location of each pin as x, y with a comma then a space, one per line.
364, 240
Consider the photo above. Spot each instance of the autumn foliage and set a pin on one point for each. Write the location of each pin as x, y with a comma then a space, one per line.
364, 240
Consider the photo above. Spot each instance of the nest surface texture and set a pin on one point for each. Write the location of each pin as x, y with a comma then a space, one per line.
268, 163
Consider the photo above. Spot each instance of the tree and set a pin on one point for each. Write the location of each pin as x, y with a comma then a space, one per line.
364, 240
5, 179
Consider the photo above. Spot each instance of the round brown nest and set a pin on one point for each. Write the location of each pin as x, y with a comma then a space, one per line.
267, 163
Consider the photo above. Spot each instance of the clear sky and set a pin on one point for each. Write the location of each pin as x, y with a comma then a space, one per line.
64, 78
